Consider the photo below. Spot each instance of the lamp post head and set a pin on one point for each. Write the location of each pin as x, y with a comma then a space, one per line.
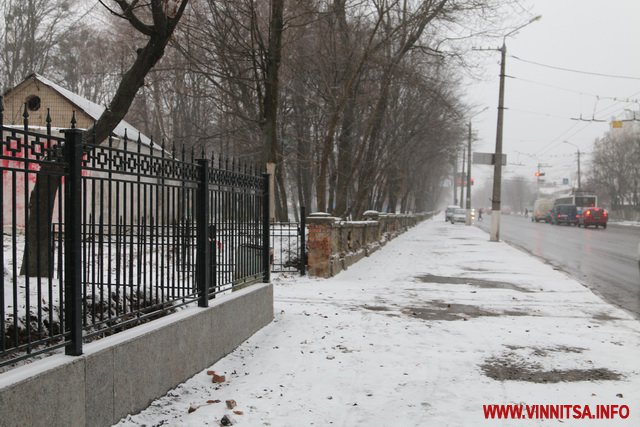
515, 30
571, 143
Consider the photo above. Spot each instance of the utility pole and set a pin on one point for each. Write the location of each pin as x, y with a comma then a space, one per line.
468, 206
497, 160
497, 170
538, 182
462, 177
577, 148
468, 201
579, 185
455, 186
539, 173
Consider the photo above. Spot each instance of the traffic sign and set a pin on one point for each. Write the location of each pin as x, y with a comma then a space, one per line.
487, 159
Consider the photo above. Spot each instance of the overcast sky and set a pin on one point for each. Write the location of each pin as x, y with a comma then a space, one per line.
591, 36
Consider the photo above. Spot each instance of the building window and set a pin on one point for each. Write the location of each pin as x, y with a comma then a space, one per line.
33, 103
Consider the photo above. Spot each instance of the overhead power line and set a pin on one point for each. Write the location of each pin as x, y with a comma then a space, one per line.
593, 95
614, 76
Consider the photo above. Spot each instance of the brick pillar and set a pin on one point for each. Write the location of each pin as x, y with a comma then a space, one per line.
321, 228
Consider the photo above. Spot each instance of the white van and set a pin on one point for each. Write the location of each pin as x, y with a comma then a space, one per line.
541, 210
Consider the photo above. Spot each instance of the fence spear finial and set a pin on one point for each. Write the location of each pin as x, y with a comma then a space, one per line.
48, 122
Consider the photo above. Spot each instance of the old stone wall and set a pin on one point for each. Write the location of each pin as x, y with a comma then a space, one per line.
334, 244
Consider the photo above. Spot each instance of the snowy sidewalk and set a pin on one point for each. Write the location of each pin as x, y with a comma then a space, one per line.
423, 333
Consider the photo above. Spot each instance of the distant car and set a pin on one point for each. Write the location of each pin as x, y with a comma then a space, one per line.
564, 214
448, 213
593, 216
459, 215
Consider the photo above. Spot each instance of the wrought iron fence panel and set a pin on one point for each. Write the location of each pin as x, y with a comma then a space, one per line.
126, 232
31, 304
288, 245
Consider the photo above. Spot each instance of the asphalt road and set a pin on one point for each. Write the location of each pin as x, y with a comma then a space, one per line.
605, 260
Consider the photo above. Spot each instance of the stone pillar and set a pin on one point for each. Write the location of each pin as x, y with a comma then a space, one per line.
321, 227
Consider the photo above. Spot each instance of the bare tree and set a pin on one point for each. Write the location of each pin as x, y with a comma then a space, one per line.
616, 167
157, 20
30, 31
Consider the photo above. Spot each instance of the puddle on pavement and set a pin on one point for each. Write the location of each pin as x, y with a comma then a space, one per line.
438, 310
471, 281
512, 368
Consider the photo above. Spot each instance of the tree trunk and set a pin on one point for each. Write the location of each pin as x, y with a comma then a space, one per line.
37, 260
44, 192
345, 162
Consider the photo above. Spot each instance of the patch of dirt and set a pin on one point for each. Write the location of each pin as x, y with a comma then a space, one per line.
471, 281
512, 368
439, 310
605, 317
387, 311
544, 351
375, 307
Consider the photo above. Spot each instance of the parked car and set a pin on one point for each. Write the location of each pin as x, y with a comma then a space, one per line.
593, 216
564, 214
459, 215
541, 209
448, 213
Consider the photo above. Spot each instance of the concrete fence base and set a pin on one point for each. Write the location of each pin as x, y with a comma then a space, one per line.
124, 373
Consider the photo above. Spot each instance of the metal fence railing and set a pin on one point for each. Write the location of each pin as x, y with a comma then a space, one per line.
288, 242
98, 237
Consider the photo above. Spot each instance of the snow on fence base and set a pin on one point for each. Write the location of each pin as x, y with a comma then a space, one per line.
334, 245
122, 374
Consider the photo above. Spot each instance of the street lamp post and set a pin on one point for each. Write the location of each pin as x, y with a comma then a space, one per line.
497, 161
577, 148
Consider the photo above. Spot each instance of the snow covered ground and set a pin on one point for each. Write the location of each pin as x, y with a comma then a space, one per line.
627, 223
423, 333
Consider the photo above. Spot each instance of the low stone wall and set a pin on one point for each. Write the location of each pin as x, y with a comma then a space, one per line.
627, 213
334, 245
124, 373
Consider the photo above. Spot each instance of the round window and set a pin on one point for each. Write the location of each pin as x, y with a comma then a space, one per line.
33, 103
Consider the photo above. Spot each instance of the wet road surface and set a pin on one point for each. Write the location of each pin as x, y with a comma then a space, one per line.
603, 259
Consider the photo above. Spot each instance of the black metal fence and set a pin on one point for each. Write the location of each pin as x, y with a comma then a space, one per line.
288, 243
97, 237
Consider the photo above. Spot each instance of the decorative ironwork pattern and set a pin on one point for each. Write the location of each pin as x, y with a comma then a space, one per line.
235, 179
18, 145
116, 160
